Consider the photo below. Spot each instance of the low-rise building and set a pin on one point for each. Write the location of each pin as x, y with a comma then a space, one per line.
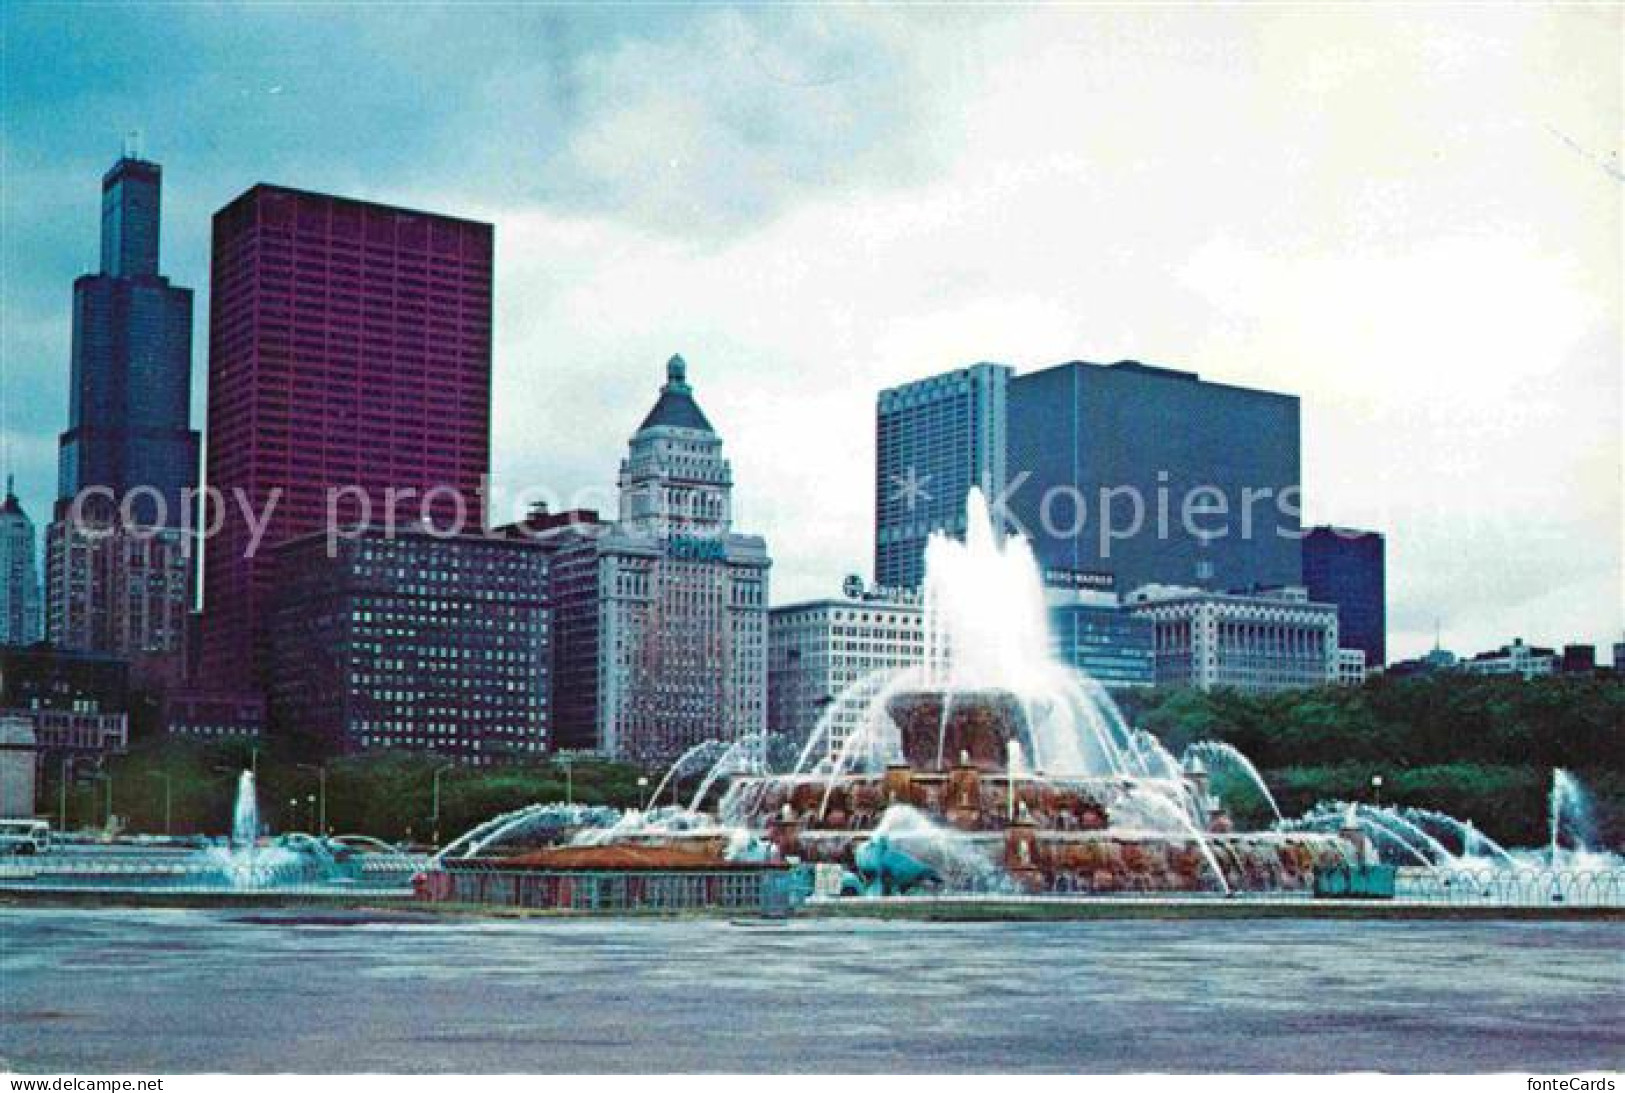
1516, 659
1095, 633
818, 650
213, 714
74, 701
1265, 640
406, 639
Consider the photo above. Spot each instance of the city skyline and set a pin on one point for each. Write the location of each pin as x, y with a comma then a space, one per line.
771, 263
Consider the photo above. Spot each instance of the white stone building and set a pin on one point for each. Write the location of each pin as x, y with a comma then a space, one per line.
819, 649
679, 633
1272, 640
1517, 659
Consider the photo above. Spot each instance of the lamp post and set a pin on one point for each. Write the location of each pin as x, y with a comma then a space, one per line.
321, 785
1376, 789
293, 813
643, 788
434, 814
569, 781
169, 786
62, 794
102, 775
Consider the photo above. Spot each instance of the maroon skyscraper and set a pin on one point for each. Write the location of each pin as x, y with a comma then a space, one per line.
349, 358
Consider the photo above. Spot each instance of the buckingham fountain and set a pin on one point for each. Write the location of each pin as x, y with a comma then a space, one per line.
990, 766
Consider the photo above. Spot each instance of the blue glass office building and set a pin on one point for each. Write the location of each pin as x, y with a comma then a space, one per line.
130, 393
1169, 439
1114, 647
934, 439
1346, 567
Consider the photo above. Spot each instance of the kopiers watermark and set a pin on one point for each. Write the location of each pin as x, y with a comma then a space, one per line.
253, 521
1109, 515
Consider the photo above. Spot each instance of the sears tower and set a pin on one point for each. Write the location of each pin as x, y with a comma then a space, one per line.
129, 403
118, 569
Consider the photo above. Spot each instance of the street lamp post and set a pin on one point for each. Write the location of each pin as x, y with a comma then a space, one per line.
321, 785
569, 781
1376, 789
103, 776
62, 794
434, 815
169, 785
293, 813
643, 788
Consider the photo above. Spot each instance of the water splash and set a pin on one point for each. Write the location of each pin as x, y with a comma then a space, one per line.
1218, 753
245, 813
1474, 843
986, 628
1570, 815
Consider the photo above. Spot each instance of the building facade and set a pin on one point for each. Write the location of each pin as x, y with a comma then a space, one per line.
129, 432
1346, 567
205, 714
74, 702
1351, 666
1253, 642
669, 601
411, 641
934, 439
122, 591
20, 615
1516, 659
1095, 633
349, 383
818, 650
1155, 476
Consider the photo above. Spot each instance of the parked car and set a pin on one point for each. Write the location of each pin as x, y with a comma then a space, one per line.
24, 836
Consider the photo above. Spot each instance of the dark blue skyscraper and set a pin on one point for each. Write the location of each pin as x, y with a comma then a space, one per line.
130, 396
1155, 476
1345, 566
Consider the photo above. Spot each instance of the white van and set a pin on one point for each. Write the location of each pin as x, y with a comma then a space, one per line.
24, 836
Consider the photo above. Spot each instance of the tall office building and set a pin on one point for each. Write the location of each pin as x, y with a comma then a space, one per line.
129, 429
934, 439
1345, 567
669, 600
1214, 469
349, 366
19, 573
413, 642
118, 568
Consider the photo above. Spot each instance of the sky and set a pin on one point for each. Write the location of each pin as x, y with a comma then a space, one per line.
1408, 216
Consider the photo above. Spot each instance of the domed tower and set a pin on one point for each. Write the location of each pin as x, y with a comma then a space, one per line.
674, 480
680, 634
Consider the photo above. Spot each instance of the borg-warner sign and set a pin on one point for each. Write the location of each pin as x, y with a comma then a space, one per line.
1079, 579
